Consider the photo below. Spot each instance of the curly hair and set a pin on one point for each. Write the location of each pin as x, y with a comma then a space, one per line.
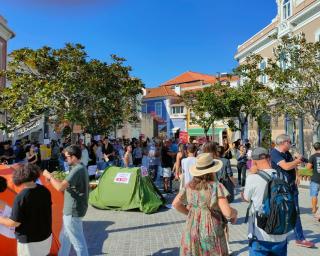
201, 182
3, 184
29, 172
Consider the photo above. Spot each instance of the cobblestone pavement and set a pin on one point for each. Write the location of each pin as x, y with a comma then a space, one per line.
134, 233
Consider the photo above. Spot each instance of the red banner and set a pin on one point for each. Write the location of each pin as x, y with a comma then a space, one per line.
183, 137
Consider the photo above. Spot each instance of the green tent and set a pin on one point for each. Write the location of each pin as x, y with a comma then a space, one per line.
126, 189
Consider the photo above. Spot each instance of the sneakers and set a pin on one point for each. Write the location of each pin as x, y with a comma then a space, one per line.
304, 243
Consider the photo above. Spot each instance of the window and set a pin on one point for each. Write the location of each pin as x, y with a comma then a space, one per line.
177, 110
291, 130
283, 61
286, 9
158, 108
317, 36
263, 77
144, 108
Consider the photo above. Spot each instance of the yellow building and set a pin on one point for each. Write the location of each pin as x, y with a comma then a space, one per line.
292, 18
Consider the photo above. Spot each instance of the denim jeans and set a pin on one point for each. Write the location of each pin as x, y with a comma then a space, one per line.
298, 232
242, 172
263, 248
72, 233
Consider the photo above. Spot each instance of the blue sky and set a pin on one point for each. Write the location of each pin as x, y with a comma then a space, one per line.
159, 38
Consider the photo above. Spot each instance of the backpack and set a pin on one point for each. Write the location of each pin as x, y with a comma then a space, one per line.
278, 213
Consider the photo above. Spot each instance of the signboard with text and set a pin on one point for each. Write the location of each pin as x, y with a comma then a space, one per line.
122, 178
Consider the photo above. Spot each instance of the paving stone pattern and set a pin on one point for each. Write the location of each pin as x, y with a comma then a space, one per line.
118, 233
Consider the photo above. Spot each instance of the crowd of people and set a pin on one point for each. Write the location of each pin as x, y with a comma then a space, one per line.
267, 179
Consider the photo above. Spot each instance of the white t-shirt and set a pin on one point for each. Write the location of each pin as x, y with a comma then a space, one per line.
186, 163
254, 191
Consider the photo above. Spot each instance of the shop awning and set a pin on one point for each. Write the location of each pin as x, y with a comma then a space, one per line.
200, 131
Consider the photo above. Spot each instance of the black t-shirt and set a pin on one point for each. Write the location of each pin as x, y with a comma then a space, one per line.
108, 150
315, 161
8, 153
276, 157
32, 208
166, 159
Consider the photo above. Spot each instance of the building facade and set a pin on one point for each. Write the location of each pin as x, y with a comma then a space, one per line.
292, 17
5, 35
166, 105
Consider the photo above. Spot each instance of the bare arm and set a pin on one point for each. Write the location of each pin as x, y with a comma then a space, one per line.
57, 184
179, 206
226, 210
9, 222
289, 165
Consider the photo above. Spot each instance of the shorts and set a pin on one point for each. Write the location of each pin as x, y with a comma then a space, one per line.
35, 248
314, 189
166, 172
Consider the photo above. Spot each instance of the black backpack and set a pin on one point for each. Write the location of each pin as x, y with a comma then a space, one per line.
278, 213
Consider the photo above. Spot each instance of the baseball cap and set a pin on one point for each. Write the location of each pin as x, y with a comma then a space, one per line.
259, 153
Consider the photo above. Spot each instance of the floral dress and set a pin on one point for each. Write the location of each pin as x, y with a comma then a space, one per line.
204, 234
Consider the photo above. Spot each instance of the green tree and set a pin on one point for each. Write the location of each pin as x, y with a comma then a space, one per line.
207, 106
295, 73
251, 97
65, 85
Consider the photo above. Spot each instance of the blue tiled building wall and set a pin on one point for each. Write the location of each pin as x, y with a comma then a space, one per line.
151, 104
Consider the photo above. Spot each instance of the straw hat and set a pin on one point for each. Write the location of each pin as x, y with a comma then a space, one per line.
205, 164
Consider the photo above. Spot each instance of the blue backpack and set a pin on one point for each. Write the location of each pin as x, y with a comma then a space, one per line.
278, 213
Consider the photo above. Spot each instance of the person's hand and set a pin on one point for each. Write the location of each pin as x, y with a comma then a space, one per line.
47, 174
234, 217
298, 180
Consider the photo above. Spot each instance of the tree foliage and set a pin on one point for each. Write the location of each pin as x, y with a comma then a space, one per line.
295, 73
207, 106
66, 85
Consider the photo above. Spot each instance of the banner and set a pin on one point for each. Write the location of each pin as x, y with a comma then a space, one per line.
183, 137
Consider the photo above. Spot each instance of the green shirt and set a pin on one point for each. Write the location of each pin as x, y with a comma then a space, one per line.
76, 195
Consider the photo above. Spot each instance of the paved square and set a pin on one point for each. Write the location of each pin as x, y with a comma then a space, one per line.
134, 233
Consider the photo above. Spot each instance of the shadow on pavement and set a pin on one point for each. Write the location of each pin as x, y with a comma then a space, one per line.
146, 226
244, 249
168, 252
309, 235
304, 210
96, 233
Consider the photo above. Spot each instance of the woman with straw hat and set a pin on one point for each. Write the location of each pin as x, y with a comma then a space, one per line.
207, 211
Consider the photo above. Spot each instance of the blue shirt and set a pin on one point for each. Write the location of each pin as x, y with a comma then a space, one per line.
276, 157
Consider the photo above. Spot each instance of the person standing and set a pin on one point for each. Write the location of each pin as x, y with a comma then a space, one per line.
31, 155
137, 155
261, 243
31, 213
127, 159
207, 212
108, 152
314, 165
167, 164
186, 164
242, 165
76, 192
282, 160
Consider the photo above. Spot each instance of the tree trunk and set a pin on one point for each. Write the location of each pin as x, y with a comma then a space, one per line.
206, 133
244, 134
315, 126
